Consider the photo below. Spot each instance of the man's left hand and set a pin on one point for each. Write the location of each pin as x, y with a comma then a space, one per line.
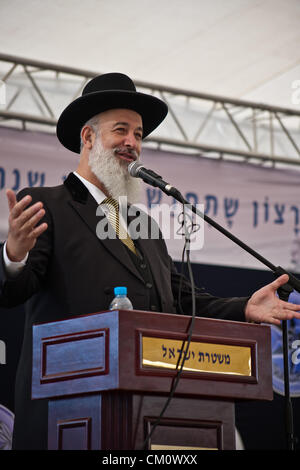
264, 306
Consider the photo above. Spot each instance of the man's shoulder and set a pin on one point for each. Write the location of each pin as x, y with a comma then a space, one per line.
42, 192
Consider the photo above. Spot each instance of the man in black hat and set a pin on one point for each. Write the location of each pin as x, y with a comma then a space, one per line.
54, 260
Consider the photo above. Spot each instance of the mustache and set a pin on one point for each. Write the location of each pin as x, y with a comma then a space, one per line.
127, 150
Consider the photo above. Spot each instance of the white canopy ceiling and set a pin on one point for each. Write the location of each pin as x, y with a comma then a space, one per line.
236, 48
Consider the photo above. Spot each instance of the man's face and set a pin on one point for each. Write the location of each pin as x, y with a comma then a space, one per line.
122, 131
117, 143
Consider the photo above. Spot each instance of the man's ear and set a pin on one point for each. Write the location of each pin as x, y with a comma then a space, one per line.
88, 137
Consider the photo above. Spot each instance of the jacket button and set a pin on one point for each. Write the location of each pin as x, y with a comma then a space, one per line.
149, 285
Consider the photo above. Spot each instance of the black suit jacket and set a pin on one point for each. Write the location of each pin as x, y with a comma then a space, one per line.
71, 272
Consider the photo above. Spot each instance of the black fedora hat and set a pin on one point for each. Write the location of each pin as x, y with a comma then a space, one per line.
107, 91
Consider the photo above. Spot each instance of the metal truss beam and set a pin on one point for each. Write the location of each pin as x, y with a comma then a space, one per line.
36, 92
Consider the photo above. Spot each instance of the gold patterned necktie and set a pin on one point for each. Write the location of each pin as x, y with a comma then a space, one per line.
114, 218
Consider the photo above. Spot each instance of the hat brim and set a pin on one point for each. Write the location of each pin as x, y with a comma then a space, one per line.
69, 125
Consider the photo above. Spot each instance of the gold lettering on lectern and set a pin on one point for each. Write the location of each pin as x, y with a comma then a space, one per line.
201, 357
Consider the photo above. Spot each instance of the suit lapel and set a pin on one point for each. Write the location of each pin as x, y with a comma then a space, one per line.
86, 206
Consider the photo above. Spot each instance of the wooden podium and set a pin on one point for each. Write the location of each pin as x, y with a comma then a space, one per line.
108, 375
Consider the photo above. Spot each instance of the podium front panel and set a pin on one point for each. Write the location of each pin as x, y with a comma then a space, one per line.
108, 351
107, 377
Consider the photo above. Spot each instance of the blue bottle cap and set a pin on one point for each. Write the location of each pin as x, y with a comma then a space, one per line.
120, 290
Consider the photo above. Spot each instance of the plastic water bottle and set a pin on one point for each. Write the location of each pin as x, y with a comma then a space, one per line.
121, 301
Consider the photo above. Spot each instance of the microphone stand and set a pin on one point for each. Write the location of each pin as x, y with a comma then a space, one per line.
283, 293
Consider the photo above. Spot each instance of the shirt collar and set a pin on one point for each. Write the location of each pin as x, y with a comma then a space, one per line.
97, 194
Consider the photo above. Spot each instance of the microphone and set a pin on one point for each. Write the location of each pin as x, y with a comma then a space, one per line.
137, 170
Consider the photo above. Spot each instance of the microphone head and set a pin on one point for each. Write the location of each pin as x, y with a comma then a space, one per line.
134, 167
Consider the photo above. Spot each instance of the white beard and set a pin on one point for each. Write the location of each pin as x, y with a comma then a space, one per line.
113, 174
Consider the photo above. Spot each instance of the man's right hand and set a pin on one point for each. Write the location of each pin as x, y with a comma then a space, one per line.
23, 230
